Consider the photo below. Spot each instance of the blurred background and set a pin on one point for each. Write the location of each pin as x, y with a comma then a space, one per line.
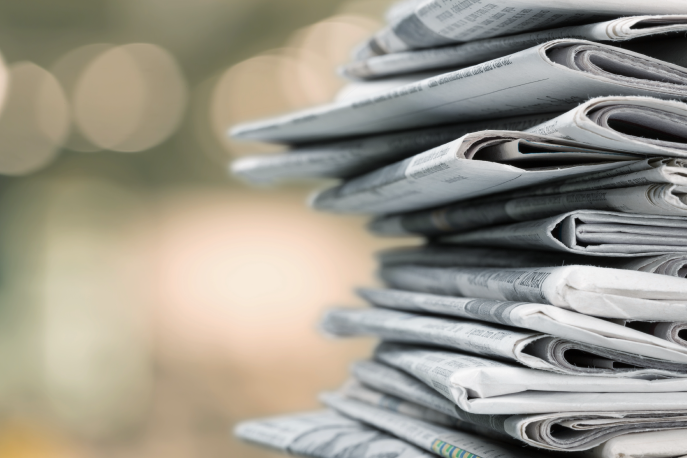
149, 301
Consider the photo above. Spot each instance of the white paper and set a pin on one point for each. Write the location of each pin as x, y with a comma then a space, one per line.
531, 349
433, 438
388, 388
325, 435
597, 291
432, 23
639, 337
660, 444
436, 255
473, 52
589, 232
528, 82
346, 158
452, 172
598, 122
486, 386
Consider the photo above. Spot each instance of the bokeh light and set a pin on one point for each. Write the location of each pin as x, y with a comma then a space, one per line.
68, 70
149, 302
129, 98
34, 122
333, 38
300, 75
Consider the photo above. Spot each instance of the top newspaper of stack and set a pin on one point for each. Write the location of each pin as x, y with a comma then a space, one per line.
419, 24
619, 31
550, 77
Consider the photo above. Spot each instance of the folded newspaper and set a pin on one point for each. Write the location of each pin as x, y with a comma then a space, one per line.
654, 199
589, 232
441, 175
325, 435
433, 23
641, 125
635, 124
440, 440
613, 356
347, 158
436, 255
473, 166
589, 290
356, 390
617, 30
659, 444
537, 317
675, 332
550, 77
575, 431
487, 386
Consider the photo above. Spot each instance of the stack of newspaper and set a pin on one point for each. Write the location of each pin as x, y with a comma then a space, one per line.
540, 147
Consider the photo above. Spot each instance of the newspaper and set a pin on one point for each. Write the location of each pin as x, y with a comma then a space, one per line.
554, 76
640, 125
348, 158
437, 255
636, 124
487, 386
362, 89
588, 290
660, 444
589, 232
475, 165
439, 440
574, 431
617, 30
654, 199
325, 435
672, 331
433, 23
354, 389
667, 49
653, 186
610, 357
540, 317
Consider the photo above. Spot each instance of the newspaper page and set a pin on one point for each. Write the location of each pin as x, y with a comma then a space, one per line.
325, 435
486, 386
654, 199
433, 23
348, 158
588, 290
675, 332
394, 382
617, 30
659, 444
437, 439
356, 390
648, 125
437, 255
634, 124
531, 349
668, 48
589, 232
362, 89
542, 318
554, 76
575, 431
470, 167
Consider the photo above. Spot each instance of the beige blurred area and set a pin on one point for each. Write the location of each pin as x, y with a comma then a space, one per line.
148, 300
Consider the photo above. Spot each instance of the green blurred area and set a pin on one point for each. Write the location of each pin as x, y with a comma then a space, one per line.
205, 36
149, 301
